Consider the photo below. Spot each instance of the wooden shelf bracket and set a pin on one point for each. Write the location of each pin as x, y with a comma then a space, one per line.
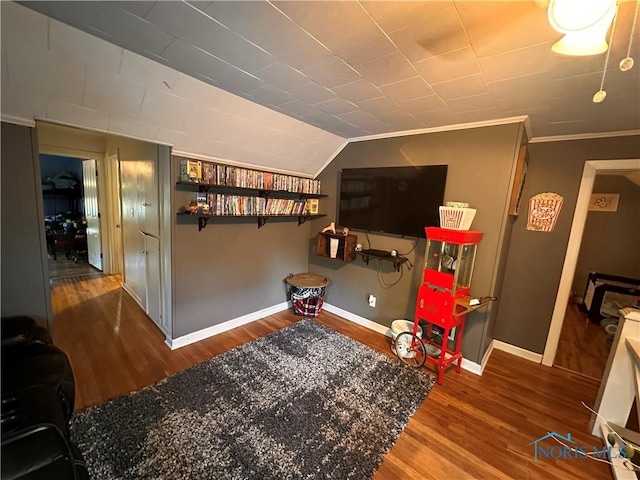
202, 222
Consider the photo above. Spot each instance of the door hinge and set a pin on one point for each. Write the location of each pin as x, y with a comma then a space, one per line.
98, 214
96, 173
100, 255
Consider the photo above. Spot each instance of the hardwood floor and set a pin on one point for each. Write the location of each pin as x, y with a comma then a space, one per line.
583, 345
469, 427
66, 267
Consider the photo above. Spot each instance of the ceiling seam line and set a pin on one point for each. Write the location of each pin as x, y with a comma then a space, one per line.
406, 59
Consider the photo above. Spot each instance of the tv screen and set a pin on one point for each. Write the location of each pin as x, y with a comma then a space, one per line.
399, 200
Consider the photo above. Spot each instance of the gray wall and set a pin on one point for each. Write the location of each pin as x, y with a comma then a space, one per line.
535, 260
230, 268
611, 240
480, 168
25, 283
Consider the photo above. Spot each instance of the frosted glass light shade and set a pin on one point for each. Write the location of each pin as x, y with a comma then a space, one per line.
566, 16
585, 24
581, 44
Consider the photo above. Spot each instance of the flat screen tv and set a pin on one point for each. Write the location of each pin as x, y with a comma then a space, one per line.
398, 200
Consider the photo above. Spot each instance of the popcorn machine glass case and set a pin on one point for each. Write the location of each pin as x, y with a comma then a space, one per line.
449, 259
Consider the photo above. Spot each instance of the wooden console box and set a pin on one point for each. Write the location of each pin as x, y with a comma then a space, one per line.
346, 246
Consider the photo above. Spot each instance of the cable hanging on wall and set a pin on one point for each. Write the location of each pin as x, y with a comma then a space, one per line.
384, 284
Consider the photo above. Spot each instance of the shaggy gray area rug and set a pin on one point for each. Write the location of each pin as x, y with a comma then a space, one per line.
304, 402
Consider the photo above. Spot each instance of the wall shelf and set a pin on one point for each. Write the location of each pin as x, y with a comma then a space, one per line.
226, 191
383, 255
203, 220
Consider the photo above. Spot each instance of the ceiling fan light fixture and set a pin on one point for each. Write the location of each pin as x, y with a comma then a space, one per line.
574, 15
585, 24
581, 44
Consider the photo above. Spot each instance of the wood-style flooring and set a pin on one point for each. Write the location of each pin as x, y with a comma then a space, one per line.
583, 345
66, 267
469, 427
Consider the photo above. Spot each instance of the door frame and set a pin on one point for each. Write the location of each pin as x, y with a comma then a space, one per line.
110, 204
591, 169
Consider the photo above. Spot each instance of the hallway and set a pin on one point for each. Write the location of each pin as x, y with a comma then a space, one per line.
67, 267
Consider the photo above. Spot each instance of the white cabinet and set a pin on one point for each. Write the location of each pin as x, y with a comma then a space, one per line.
153, 292
148, 197
141, 232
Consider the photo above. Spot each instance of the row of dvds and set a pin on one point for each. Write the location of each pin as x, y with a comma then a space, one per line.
196, 171
221, 204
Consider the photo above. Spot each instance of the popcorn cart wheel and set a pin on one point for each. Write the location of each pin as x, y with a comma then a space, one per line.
414, 350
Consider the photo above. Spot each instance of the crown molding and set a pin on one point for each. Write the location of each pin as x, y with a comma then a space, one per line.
528, 129
25, 122
100, 131
330, 159
584, 136
445, 128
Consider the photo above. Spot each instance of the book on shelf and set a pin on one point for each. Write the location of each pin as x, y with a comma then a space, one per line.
199, 198
197, 171
223, 204
208, 173
191, 171
312, 206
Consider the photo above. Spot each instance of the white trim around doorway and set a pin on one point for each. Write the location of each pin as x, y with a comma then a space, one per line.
591, 169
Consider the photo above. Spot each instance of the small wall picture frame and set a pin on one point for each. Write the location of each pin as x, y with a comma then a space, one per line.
604, 202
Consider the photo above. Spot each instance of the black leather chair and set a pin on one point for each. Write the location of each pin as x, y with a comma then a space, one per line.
37, 403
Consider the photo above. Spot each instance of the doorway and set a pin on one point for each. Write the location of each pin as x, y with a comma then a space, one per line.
119, 249
591, 169
608, 255
63, 203
98, 202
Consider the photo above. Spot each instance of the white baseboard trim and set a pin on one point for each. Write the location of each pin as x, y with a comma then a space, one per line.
365, 322
133, 295
478, 368
225, 326
468, 365
487, 354
472, 367
517, 351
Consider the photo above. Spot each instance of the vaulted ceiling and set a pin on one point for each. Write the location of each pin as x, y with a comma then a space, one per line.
360, 68
284, 86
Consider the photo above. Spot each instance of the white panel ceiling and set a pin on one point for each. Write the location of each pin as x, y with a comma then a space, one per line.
322, 61
352, 68
62, 74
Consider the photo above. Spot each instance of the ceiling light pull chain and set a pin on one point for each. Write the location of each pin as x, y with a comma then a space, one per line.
627, 62
600, 95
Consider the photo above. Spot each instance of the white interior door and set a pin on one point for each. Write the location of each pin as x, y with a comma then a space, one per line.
91, 212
